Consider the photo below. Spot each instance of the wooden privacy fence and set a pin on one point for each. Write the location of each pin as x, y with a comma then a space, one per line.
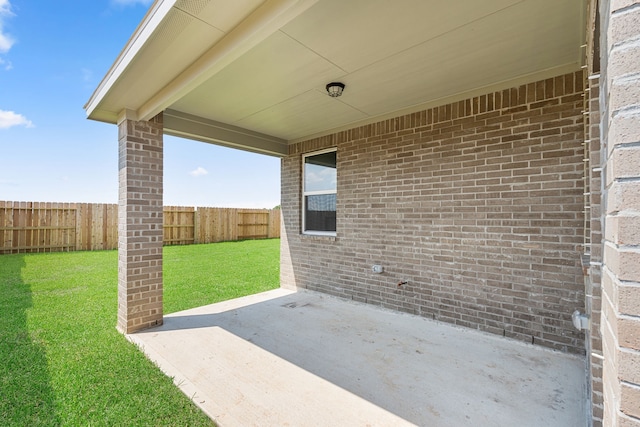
52, 227
186, 225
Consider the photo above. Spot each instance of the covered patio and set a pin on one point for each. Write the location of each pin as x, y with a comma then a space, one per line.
285, 358
480, 167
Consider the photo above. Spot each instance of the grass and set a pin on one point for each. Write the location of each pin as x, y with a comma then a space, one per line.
197, 275
62, 362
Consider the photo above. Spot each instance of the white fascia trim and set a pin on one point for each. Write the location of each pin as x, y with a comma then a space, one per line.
157, 12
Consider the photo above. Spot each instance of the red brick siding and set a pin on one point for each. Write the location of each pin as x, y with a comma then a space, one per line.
477, 204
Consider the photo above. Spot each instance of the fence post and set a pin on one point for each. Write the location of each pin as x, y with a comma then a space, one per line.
196, 225
47, 227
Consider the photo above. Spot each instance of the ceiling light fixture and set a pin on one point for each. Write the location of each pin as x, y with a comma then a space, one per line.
334, 89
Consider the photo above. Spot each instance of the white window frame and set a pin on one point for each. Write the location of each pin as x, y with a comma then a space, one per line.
316, 193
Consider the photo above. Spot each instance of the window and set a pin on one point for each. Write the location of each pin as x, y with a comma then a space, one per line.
319, 190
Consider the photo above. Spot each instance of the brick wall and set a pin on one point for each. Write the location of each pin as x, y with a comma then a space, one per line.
594, 248
593, 215
476, 204
620, 104
140, 224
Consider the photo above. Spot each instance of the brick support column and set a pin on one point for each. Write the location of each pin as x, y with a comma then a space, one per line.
620, 101
140, 233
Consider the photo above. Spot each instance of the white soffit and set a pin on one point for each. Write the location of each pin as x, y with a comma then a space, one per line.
262, 65
178, 39
222, 14
190, 29
172, 35
356, 33
501, 47
277, 69
301, 115
391, 55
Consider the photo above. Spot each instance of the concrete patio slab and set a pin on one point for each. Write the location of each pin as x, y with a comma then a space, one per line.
284, 358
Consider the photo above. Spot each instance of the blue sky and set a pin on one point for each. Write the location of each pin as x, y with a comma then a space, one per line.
53, 54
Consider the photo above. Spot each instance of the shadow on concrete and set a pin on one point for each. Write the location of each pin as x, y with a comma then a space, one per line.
26, 395
425, 372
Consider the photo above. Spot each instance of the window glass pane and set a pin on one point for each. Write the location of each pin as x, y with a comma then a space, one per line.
320, 212
320, 172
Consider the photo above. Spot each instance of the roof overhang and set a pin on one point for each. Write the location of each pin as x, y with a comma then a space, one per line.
251, 74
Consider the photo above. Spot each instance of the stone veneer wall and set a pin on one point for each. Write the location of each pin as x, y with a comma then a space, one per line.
477, 204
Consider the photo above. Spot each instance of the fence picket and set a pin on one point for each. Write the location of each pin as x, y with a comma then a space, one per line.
48, 227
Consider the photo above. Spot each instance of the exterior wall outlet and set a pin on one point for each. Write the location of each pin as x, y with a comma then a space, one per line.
580, 321
376, 268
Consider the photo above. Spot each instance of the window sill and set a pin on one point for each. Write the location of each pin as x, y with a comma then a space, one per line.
318, 237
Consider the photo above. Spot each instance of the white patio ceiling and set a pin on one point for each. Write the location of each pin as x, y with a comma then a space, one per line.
252, 73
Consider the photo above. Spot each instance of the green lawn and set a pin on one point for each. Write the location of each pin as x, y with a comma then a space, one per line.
62, 362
